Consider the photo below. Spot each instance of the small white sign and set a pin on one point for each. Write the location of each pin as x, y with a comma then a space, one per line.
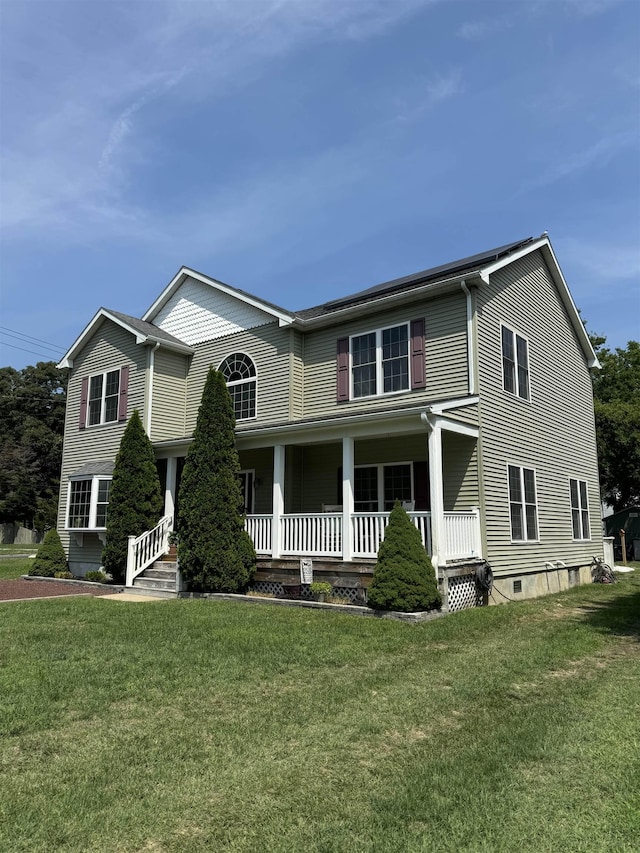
306, 570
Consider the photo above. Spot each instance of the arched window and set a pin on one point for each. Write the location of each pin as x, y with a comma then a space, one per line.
240, 375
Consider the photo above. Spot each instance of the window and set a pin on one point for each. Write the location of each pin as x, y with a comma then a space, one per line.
87, 506
523, 507
515, 363
377, 487
380, 362
104, 397
386, 361
239, 373
579, 509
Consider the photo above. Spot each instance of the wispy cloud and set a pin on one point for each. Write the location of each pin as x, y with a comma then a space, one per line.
597, 155
79, 131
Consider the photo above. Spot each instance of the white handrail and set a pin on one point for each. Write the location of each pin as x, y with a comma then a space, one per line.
145, 549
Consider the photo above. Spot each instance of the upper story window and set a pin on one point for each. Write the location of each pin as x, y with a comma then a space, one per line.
579, 509
104, 397
240, 375
515, 363
385, 361
87, 504
523, 505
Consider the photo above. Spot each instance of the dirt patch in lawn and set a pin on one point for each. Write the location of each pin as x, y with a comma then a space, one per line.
12, 590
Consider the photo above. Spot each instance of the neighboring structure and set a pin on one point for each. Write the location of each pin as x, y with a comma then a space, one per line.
463, 391
627, 519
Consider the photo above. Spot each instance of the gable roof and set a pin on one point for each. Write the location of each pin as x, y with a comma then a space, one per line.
284, 317
145, 333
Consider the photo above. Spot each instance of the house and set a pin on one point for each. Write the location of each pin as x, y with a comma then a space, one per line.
463, 391
627, 520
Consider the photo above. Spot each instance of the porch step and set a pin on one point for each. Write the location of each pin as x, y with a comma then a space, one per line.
161, 576
149, 584
167, 571
157, 593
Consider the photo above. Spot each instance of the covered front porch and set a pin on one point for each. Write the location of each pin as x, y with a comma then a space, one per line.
326, 491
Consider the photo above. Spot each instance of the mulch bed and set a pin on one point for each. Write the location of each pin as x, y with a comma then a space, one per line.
10, 590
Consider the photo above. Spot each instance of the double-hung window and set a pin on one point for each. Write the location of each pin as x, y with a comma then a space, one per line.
87, 504
380, 361
376, 488
579, 509
515, 363
386, 361
523, 507
104, 397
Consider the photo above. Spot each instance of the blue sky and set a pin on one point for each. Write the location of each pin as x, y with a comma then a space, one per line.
305, 149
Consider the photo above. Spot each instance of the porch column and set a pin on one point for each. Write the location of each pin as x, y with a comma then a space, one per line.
347, 497
438, 556
170, 489
278, 499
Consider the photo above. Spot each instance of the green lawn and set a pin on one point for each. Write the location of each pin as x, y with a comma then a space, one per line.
207, 726
14, 568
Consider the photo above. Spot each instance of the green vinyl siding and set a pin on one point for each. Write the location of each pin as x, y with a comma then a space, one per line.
552, 433
168, 418
460, 467
445, 355
269, 348
109, 348
296, 375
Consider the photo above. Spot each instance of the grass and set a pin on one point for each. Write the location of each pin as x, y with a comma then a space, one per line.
198, 726
14, 568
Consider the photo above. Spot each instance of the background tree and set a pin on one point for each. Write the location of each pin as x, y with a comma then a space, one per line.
135, 502
32, 407
616, 389
404, 578
215, 552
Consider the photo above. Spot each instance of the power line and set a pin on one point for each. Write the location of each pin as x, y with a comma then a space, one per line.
46, 356
27, 338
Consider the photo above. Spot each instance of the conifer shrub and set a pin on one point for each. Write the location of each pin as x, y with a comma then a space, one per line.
215, 552
50, 557
135, 502
404, 578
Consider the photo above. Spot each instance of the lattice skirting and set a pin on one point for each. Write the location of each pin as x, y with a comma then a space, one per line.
354, 594
463, 593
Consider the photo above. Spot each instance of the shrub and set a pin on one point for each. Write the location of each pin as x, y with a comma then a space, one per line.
215, 552
67, 576
50, 557
320, 588
97, 577
135, 503
404, 578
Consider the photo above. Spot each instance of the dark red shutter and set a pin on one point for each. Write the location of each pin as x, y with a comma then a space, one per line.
418, 378
124, 393
84, 396
343, 369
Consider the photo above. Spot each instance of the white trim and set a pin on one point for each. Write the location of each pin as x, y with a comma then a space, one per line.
516, 334
470, 340
238, 382
103, 398
93, 502
544, 244
278, 498
284, 318
580, 509
523, 503
380, 392
380, 466
348, 459
104, 314
149, 396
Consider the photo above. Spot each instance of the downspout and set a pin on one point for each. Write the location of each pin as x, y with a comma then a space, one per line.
149, 400
470, 341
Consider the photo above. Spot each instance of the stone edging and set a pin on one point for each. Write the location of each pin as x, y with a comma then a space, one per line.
351, 609
76, 582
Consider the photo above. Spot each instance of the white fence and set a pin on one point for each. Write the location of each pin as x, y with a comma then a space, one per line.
320, 534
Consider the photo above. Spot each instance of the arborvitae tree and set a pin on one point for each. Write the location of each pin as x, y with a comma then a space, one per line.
135, 503
404, 578
214, 550
50, 557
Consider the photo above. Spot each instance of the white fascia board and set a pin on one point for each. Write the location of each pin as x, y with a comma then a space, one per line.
104, 314
544, 244
455, 426
283, 318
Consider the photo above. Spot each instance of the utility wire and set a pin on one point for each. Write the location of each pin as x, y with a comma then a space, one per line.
46, 356
14, 333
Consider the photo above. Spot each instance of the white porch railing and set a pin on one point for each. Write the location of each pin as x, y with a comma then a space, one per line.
259, 529
368, 531
145, 549
462, 535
